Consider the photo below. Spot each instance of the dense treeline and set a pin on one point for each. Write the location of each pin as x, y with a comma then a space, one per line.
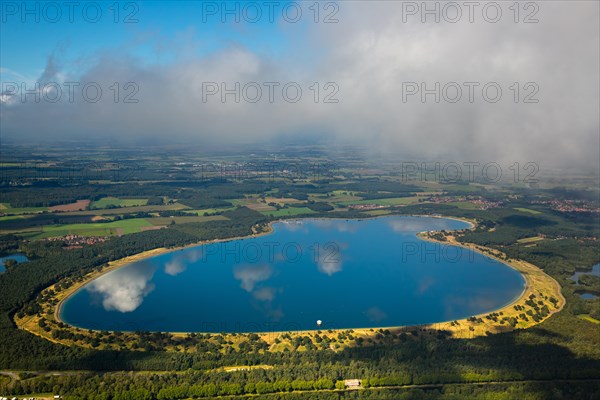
8, 244
46, 219
317, 371
43, 196
200, 385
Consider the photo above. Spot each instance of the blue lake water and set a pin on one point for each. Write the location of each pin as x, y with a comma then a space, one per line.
346, 273
595, 271
18, 257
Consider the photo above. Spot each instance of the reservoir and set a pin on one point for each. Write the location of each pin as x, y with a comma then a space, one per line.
344, 273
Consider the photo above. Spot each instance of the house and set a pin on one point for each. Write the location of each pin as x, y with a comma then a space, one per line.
352, 383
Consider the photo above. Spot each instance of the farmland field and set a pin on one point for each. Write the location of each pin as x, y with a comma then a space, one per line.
127, 210
282, 200
286, 212
12, 217
466, 205
530, 239
337, 196
376, 213
183, 220
79, 205
116, 202
7, 209
527, 210
260, 207
116, 228
209, 210
252, 199
392, 201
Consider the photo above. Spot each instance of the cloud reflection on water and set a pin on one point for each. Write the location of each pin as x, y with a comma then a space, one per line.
471, 304
250, 275
180, 262
410, 224
124, 290
329, 258
329, 267
266, 294
376, 314
336, 225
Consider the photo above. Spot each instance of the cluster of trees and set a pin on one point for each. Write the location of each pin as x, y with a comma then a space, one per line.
319, 206
591, 282
212, 389
8, 244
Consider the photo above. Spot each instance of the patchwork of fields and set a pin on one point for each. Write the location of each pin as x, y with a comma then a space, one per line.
110, 216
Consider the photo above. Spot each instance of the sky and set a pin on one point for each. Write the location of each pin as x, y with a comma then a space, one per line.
437, 80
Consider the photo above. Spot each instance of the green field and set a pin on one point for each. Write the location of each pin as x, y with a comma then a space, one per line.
116, 228
251, 199
336, 196
465, 205
530, 239
7, 209
13, 217
528, 210
116, 202
287, 212
182, 220
128, 210
433, 185
392, 201
209, 210
376, 213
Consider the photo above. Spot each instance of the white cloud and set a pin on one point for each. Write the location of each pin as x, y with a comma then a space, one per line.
369, 54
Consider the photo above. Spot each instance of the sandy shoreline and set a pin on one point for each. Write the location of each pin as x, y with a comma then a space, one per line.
525, 269
530, 273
